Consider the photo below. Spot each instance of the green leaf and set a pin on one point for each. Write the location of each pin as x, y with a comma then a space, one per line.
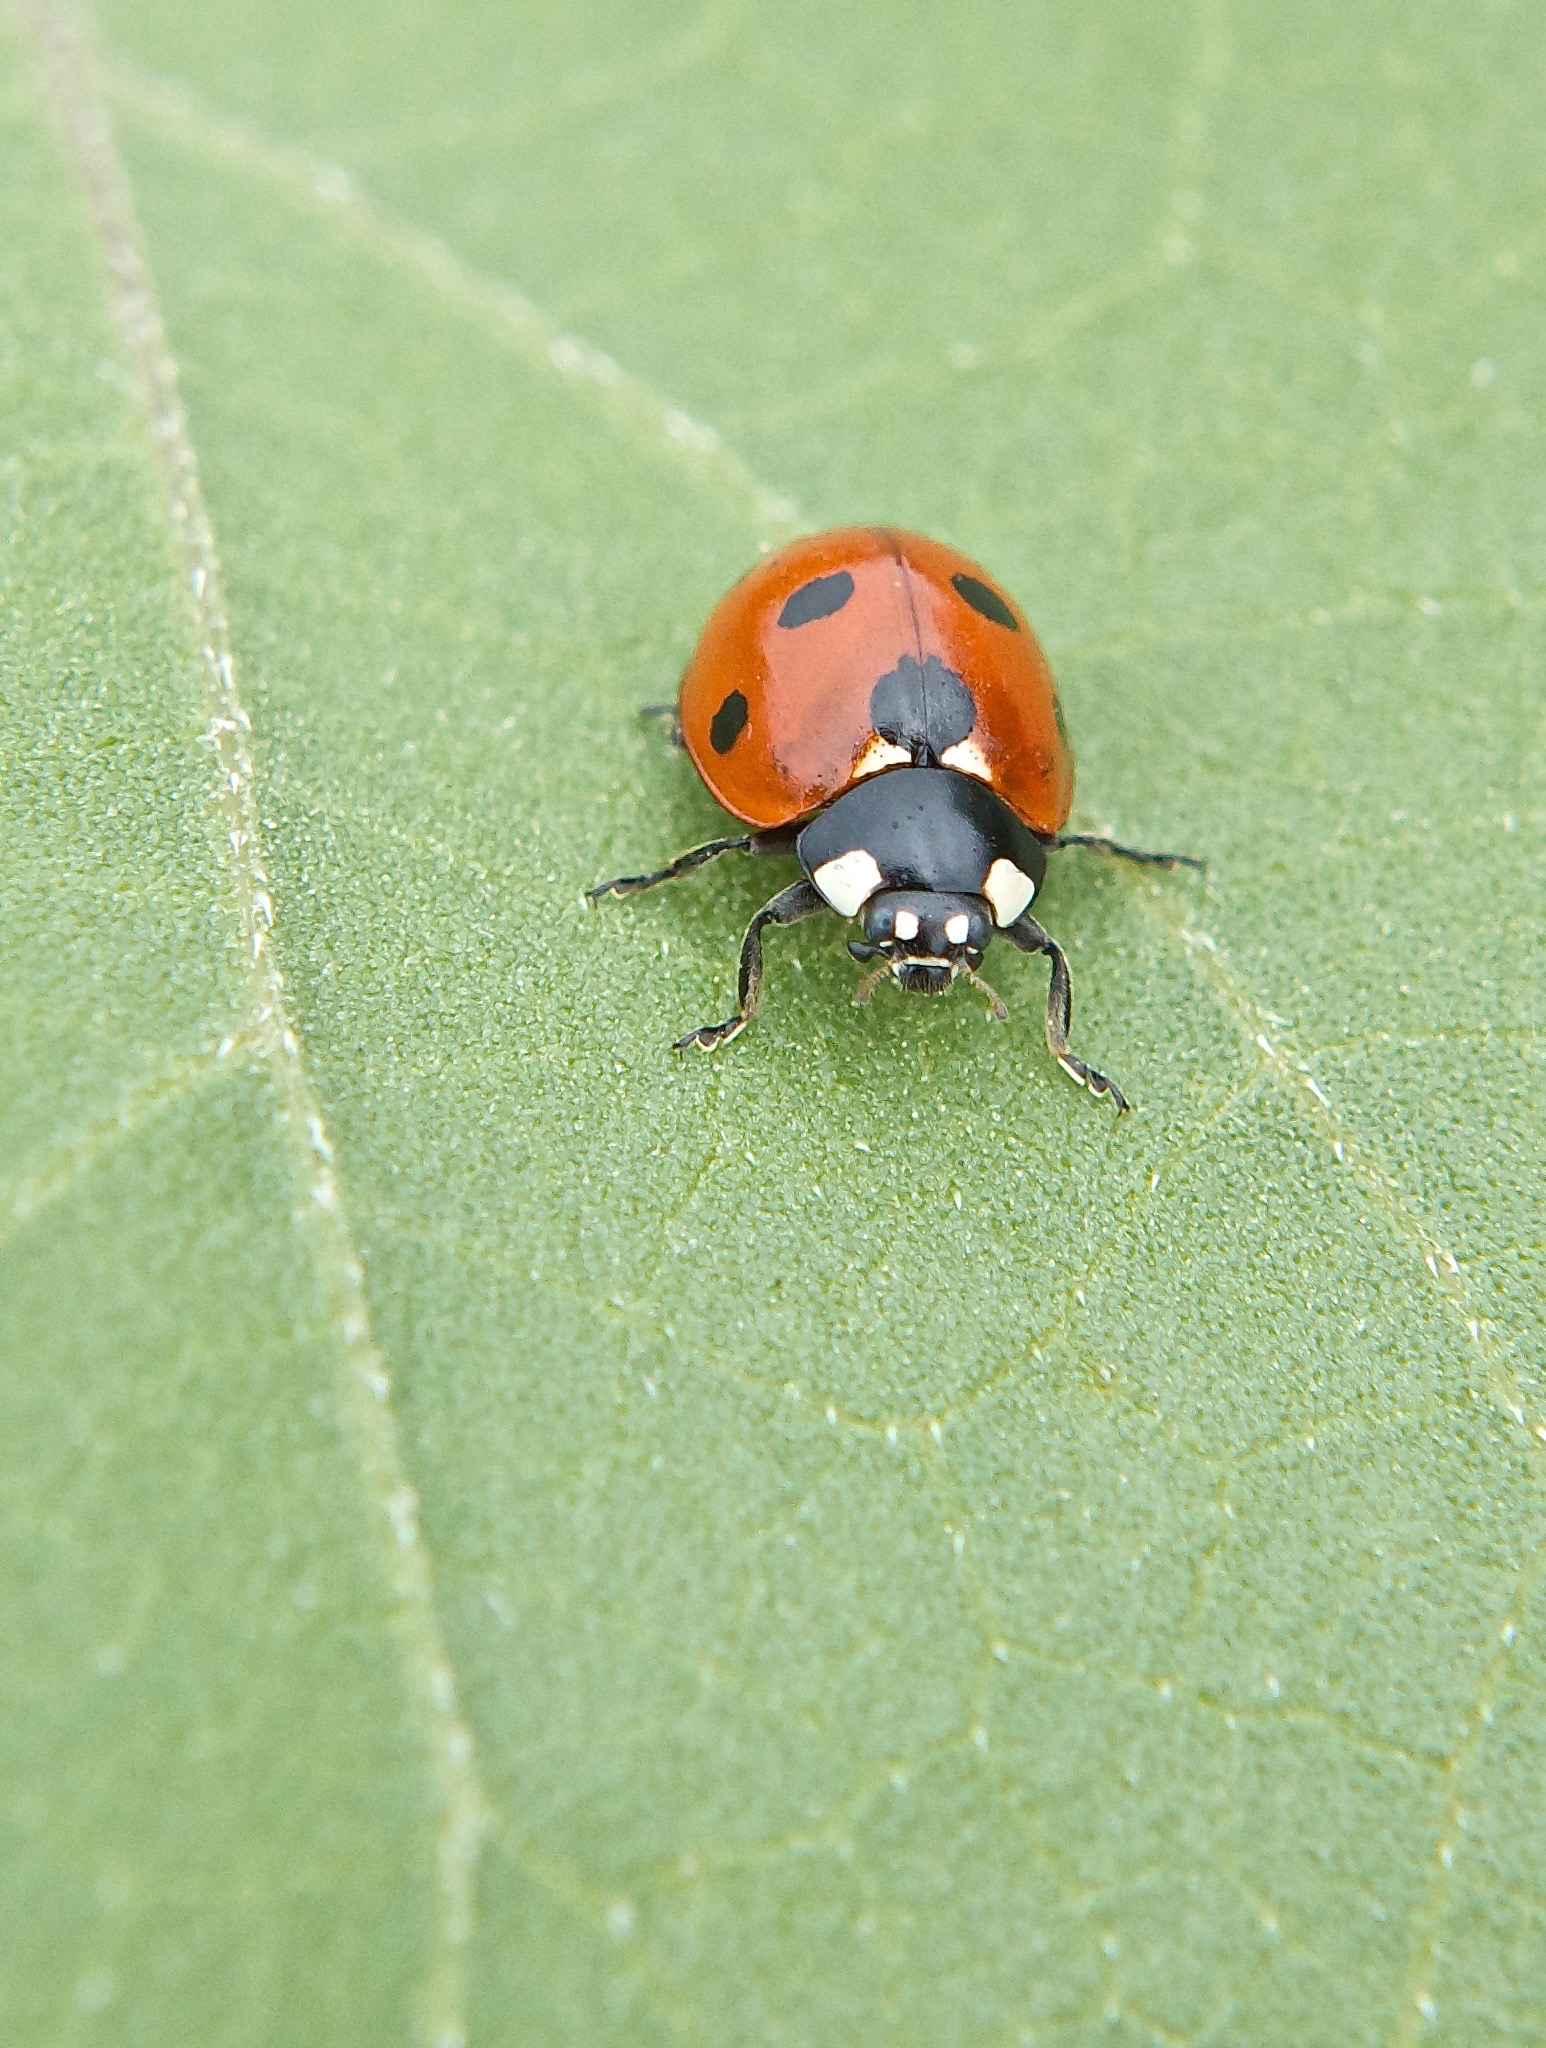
514, 1535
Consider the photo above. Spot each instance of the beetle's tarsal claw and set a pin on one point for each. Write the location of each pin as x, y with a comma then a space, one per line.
710, 1037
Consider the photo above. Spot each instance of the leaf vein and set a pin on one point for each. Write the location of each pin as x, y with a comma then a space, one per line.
653, 421
1446, 1279
72, 1158
70, 84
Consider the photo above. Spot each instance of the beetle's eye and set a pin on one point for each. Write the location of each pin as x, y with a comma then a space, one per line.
983, 598
818, 600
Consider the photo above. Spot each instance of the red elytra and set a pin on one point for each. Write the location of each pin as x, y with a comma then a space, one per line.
874, 705
808, 730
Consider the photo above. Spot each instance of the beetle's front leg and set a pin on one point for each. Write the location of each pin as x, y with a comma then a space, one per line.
800, 899
1030, 937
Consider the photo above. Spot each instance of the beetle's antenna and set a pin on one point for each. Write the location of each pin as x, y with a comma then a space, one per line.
999, 1006
866, 987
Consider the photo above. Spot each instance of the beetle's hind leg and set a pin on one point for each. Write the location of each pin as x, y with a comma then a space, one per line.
800, 899
673, 719
1096, 842
1030, 937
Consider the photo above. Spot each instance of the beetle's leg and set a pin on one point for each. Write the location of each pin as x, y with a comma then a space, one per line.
673, 717
800, 899
634, 885
776, 841
1029, 936
1097, 843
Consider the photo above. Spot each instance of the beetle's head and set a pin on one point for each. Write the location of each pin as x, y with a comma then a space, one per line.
926, 938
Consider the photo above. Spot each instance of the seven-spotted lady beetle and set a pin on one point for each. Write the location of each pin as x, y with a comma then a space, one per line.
874, 704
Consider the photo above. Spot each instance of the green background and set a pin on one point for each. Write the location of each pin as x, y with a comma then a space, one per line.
918, 1560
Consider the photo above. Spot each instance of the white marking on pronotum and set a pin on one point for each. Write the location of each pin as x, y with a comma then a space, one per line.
1008, 890
880, 754
848, 882
957, 927
968, 756
364, 1390
906, 926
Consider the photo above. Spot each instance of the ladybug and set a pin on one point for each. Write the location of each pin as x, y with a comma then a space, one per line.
874, 704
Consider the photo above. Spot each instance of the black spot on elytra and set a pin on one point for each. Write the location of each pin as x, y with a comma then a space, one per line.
818, 600
922, 706
983, 598
728, 723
